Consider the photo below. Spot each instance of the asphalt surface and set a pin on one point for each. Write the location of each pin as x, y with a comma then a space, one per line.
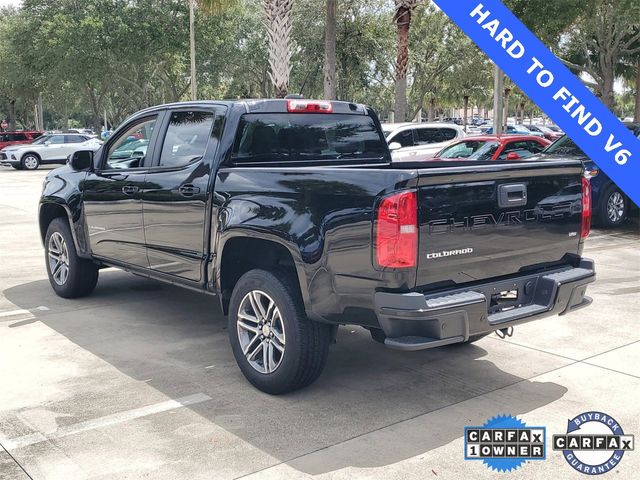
138, 380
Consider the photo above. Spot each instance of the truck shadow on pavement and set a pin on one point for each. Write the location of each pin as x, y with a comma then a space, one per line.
371, 407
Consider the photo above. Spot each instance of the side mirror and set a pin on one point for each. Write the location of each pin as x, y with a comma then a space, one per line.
513, 156
47, 143
81, 160
394, 146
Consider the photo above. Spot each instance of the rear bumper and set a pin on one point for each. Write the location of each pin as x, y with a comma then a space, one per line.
413, 321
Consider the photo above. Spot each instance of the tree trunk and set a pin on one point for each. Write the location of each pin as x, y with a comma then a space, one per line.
505, 121
403, 21
330, 52
192, 50
465, 107
637, 109
608, 80
95, 113
12, 114
277, 15
432, 109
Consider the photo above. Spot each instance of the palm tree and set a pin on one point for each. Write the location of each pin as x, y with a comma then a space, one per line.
277, 20
402, 19
330, 52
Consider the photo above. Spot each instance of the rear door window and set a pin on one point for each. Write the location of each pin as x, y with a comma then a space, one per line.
74, 139
404, 138
308, 137
186, 139
429, 135
425, 136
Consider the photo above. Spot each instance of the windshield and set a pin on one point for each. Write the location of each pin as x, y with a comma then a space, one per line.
564, 146
462, 149
306, 137
41, 140
485, 152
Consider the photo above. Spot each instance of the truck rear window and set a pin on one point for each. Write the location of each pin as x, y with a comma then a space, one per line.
302, 138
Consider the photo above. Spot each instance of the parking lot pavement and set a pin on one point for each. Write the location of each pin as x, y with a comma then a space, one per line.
138, 380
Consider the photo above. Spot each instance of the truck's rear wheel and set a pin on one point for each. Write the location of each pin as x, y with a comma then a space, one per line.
275, 345
70, 276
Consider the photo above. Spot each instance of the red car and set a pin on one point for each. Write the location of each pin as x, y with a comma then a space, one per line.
493, 147
14, 138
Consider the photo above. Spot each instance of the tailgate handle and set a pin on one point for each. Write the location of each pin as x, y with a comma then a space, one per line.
512, 195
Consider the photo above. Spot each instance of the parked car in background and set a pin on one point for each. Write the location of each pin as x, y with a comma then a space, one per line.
411, 142
549, 134
53, 148
17, 138
493, 147
555, 128
516, 130
611, 205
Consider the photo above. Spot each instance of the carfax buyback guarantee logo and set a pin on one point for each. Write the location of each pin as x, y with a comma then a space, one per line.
504, 443
594, 443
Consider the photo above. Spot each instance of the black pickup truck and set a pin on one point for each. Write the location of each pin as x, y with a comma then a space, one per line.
292, 214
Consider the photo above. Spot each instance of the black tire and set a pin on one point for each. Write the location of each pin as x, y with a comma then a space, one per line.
82, 275
30, 161
306, 343
613, 208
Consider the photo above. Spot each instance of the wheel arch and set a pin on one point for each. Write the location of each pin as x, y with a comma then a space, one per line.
31, 152
49, 211
241, 252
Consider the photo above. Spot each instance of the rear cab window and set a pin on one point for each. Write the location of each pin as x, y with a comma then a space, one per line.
308, 138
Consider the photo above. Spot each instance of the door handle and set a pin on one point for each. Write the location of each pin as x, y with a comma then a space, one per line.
130, 189
188, 190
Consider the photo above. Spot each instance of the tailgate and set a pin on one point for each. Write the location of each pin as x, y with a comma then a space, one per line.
487, 221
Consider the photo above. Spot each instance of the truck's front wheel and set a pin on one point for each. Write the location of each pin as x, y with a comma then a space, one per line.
275, 345
70, 276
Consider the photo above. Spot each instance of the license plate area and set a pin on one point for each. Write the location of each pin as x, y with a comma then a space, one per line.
504, 300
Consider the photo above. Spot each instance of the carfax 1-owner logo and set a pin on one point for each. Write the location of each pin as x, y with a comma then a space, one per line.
594, 443
504, 443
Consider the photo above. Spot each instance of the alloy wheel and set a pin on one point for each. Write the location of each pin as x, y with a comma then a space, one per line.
30, 162
615, 207
58, 258
261, 331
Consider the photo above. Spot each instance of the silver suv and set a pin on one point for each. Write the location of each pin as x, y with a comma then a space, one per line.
411, 142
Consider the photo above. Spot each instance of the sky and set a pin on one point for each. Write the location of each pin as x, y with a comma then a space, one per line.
5, 3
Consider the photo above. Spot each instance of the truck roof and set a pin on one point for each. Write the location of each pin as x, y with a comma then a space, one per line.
263, 105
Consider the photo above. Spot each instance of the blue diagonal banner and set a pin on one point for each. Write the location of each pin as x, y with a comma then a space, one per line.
552, 86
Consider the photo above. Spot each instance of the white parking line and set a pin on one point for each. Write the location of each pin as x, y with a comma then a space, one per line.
11, 313
33, 438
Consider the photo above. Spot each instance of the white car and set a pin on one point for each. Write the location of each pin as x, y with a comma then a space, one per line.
52, 148
412, 142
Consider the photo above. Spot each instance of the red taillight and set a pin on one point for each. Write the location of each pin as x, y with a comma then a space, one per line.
306, 106
586, 208
397, 231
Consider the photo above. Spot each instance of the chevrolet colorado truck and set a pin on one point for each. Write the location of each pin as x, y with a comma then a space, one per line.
292, 213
